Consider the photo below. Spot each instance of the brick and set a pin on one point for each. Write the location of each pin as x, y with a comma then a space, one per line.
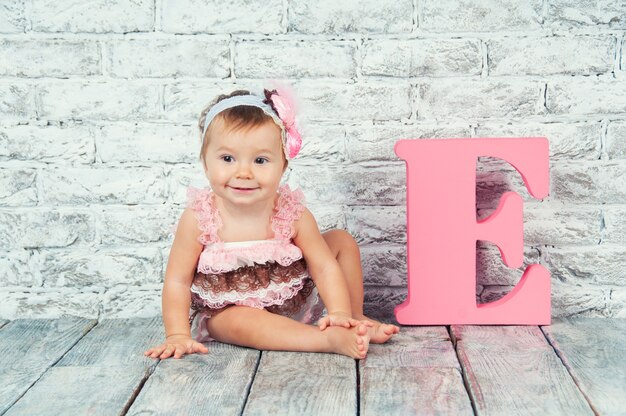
316, 181
567, 141
464, 99
111, 100
351, 102
596, 14
623, 63
328, 217
555, 226
384, 265
380, 302
595, 265
567, 299
42, 303
13, 16
48, 144
104, 268
586, 96
376, 142
18, 187
322, 143
15, 269
590, 183
181, 177
616, 305
45, 227
184, 101
140, 224
350, 16
484, 16
263, 59
175, 57
48, 58
16, 101
104, 186
491, 269
97, 16
369, 225
570, 299
148, 142
579, 55
422, 57
352, 185
213, 16
614, 220
494, 177
125, 302
615, 143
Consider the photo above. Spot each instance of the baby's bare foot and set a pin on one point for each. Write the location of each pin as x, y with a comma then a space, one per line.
353, 342
379, 333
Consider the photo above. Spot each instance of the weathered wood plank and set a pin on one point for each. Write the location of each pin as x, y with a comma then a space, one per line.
216, 383
99, 375
513, 370
416, 372
117, 342
80, 391
29, 347
594, 352
292, 383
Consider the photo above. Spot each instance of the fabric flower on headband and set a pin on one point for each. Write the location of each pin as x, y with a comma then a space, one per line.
282, 101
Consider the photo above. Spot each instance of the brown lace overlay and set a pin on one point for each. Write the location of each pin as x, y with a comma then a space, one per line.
253, 278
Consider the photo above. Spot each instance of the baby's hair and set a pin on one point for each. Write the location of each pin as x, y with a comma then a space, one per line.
235, 118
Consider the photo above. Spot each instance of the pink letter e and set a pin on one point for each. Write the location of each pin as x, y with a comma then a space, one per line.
442, 231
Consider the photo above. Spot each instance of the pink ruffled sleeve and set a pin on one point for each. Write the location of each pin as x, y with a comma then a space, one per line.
201, 201
289, 208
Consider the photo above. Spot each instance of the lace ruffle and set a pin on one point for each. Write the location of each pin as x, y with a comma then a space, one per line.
202, 201
257, 286
289, 208
221, 257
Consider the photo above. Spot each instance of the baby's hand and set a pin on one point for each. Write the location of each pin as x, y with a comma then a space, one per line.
339, 319
178, 345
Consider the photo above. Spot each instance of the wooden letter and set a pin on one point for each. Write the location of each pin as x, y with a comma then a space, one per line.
442, 230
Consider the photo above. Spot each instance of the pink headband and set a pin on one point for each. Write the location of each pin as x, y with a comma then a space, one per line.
278, 104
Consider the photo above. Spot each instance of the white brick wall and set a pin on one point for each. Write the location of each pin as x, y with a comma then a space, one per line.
99, 104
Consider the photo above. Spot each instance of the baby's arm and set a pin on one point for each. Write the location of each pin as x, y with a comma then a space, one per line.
176, 297
325, 272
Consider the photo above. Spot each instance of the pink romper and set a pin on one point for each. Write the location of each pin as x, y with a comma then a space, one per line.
265, 274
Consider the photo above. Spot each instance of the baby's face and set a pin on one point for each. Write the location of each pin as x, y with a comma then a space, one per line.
245, 167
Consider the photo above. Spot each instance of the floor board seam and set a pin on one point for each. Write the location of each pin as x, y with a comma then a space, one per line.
47, 369
454, 342
133, 397
358, 387
249, 389
569, 371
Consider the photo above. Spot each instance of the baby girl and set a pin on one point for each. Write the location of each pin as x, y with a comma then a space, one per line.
248, 265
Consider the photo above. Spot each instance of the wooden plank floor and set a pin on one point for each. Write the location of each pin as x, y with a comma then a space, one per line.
79, 366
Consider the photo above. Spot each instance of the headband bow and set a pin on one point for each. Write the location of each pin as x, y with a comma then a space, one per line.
281, 100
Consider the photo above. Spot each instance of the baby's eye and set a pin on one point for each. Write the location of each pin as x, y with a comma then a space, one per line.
227, 158
260, 160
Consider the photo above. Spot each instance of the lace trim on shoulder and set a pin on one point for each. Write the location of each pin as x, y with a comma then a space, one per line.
289, 208
202, 201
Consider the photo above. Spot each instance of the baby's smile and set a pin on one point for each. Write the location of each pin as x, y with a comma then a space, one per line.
242, 189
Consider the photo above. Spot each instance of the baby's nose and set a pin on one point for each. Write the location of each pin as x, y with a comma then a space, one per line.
244, 172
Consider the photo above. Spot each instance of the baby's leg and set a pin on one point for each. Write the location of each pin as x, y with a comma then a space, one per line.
263, 330
347, 253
